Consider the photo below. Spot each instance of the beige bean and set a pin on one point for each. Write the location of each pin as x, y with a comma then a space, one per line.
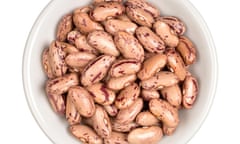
139, 16
56, 59
129, 46
80, 41
80, 59
111, 110
96, 70
116, 138
173, 95
190, 91
121, 82
145, 135
85, 134
82, 100
67, 48
175, 23
187, 50
147, 95
168, 131
143, 4
150, 40
164, 112
147, 55
72, 115
160, 80
152, 65
61, 85
125, 67
101, 94
57, 103
146, 118
46, 64
84, 24
115, 25
166, 33
101, 122
128, 114
103, 42
175, 64
104, 10
127, 96
64, 27
124, 127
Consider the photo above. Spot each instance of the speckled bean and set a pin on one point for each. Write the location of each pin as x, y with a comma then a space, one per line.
104, 10
160, 80
187, 50
150, 40
145, 135
125, 67
190, 91
129, 46
96, 70
164, 112
121, 82
127, 96
82, 100
166, 33
103, 42
175, 64
115, 25
64, 27
151, 66
84, 24
128, 114
101, 94
101, 122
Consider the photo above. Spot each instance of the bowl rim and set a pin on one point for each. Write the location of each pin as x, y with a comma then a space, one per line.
26, 67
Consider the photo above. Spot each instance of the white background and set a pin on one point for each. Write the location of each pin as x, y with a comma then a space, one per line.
17, 125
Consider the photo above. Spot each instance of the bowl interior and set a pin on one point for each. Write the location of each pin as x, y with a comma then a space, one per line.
43, 32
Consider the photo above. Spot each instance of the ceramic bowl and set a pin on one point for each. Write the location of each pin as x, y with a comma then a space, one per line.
43, 32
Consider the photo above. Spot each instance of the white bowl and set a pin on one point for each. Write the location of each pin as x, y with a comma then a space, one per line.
43, 32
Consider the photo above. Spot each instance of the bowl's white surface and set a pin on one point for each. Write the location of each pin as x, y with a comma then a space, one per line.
43, 32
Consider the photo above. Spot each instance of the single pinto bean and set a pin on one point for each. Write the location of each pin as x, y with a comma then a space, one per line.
115, 25
82, 100
103, 42
187, 50
166, 33
125, 67
101, 122
127, 96
190, 91
152, 65
160, 80
164, 112
145, 135
128, 114
176, 64
64, 27
150, 40
84, 24
104, 10
101, 94
129, 46
175, 23
96, 70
